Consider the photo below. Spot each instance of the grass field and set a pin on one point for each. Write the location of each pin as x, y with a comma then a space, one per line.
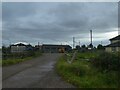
82, 74
11, 61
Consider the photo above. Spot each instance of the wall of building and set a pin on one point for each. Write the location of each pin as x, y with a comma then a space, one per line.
118, 49
108, 49
112, 49
55, 49
18, 48
50, 49
114, 41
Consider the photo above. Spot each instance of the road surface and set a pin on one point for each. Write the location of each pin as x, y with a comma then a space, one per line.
36, 73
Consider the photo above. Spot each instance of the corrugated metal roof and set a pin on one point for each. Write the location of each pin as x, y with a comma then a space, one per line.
55, 45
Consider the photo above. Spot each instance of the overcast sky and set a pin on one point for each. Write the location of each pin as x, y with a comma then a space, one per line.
56, 23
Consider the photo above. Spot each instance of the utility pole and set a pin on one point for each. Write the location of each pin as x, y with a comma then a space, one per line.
91, 36
73, 42
38, 43
101, 42
79, 43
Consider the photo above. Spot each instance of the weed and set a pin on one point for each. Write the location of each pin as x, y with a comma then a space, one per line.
83, 74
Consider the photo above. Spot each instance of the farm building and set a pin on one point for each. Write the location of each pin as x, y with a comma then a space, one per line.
114, 45
20, 47
48, 48
38, 47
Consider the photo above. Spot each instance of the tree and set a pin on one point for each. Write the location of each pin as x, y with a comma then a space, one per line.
100, 47
78, 47
83, 46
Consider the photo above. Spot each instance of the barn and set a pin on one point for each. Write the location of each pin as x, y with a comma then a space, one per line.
49, 48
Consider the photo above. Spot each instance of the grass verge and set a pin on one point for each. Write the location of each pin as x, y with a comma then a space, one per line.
83, 75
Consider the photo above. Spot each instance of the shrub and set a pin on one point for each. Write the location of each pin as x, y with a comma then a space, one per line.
106, 61
14, 58
81, 74
79, 70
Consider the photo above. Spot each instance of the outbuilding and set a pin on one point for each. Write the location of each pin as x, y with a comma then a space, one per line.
49, 48
20, 47
114, 45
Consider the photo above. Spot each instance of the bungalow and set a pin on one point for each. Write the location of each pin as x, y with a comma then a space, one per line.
48, 48
114, 45
20, 47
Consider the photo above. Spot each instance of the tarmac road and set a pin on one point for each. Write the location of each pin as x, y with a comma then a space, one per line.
36, 73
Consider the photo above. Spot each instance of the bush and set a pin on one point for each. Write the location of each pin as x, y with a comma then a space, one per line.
79, 69
107, 61
81, 74
14, 58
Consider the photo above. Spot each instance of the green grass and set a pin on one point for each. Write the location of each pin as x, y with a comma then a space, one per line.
14, 61
83, 75
0, 62
17, 60
86, 55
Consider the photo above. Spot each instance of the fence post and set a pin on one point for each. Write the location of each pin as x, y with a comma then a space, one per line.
73, 57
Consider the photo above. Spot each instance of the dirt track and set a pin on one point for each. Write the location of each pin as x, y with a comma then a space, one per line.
36, 73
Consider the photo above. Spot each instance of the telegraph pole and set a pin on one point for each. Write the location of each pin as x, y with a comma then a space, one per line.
79, 43
38, 43
73, 42
101, 42
91, 36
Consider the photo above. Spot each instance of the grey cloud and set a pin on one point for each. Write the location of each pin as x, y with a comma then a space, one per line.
56, 22
14, 10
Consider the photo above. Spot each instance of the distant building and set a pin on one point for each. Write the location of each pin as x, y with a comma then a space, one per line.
48, 48
90, 47
38, 47
20, 47
114, 45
